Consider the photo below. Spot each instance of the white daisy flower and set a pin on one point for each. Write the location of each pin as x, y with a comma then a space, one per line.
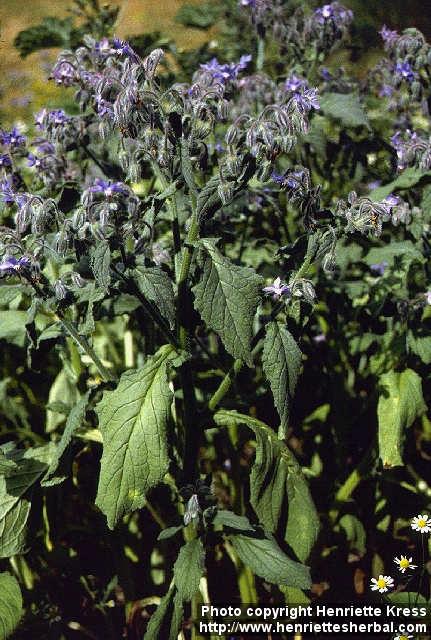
405, 563
403, 637
382, 583
421, 523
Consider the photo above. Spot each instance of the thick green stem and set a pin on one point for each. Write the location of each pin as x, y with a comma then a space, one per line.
184, 313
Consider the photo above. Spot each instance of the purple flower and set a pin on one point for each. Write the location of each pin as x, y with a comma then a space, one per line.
116, 48
5, 160
379, 267
386, 91
405, 70
12, 138
277, 289
225, 72
248, 3
277, 178
293, 83
326, 74
335, 13
65, 73
391, 200
7, 192
108, 188
307, 99
33, 161
10, 265
389, 36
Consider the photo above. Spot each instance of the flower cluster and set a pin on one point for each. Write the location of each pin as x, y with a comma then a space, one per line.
412, 149
366, 216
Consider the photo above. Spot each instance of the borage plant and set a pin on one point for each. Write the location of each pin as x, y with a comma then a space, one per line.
147, 216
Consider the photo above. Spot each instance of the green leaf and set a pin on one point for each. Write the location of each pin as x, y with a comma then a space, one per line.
267, 560
51, 32
355, 532
227, 297
230, 520
407, 179
405, 251
15, 496
156, 286
276, 479
420, 345
62, 389
100, 261
400, 403
159, 617
201, 16
73, 422
169, 532
133, 420
281, 362
189, 568
7, 466
345, 107
11, 610
13, 326
407, 598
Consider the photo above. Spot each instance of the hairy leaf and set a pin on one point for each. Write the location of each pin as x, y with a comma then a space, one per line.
345, 107
408, 178
15, 496
267, 560
157, 287
281, 361
133, 420
189, 568
400, 403
11, 609
277, 486
230, 520
227, 297
100, 260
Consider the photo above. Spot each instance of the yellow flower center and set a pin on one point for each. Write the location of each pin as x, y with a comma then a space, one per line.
404, 638
421, 523
404, 564
381, 583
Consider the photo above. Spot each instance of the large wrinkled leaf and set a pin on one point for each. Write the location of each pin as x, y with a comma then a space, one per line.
345, 107
281, 361
10, 605
227, 297
189, 568
15, 495
157, 287
400, 403
267, 560
278, 486
133, 420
